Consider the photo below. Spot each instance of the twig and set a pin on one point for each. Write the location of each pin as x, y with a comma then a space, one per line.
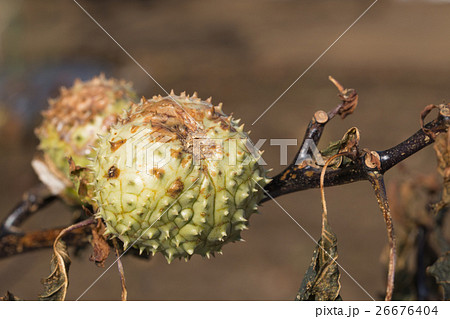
14, 244
296, 178
32, 201
321, 118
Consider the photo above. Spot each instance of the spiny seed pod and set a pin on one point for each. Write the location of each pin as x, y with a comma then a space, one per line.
70, 128
177, 176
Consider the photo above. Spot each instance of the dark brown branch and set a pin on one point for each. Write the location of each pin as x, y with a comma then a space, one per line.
297, 178
317, 124
13, 244
415, 143
32, 201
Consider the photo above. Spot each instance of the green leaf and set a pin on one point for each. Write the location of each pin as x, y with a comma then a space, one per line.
55, 285
440, 270
321, 281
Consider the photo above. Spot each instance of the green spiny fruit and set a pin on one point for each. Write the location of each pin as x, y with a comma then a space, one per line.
69, 131
176, 176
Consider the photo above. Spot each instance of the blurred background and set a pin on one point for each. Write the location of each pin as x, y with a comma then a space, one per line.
244, 54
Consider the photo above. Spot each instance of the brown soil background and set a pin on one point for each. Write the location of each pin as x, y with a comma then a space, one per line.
244, 54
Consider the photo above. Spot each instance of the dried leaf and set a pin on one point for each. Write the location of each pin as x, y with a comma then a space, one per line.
348, 144
55, 285
321, 281
423, 115
415, 234
440, 270
82, 180
442, 148
100, 246
444, 110
349, 99
377, 181
9, 296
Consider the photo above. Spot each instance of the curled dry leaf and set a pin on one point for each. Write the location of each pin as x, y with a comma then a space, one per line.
444, 110
81, 177
440, 270
100, 247
349, 99
348, 144
55, 285
415, 231
442, 148
321, 281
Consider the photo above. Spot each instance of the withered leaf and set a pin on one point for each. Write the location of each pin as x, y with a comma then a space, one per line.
442, 148
82, 179
55, 285
440, 270
9, 296
349, 99
100, 247
321, 281
348, 143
